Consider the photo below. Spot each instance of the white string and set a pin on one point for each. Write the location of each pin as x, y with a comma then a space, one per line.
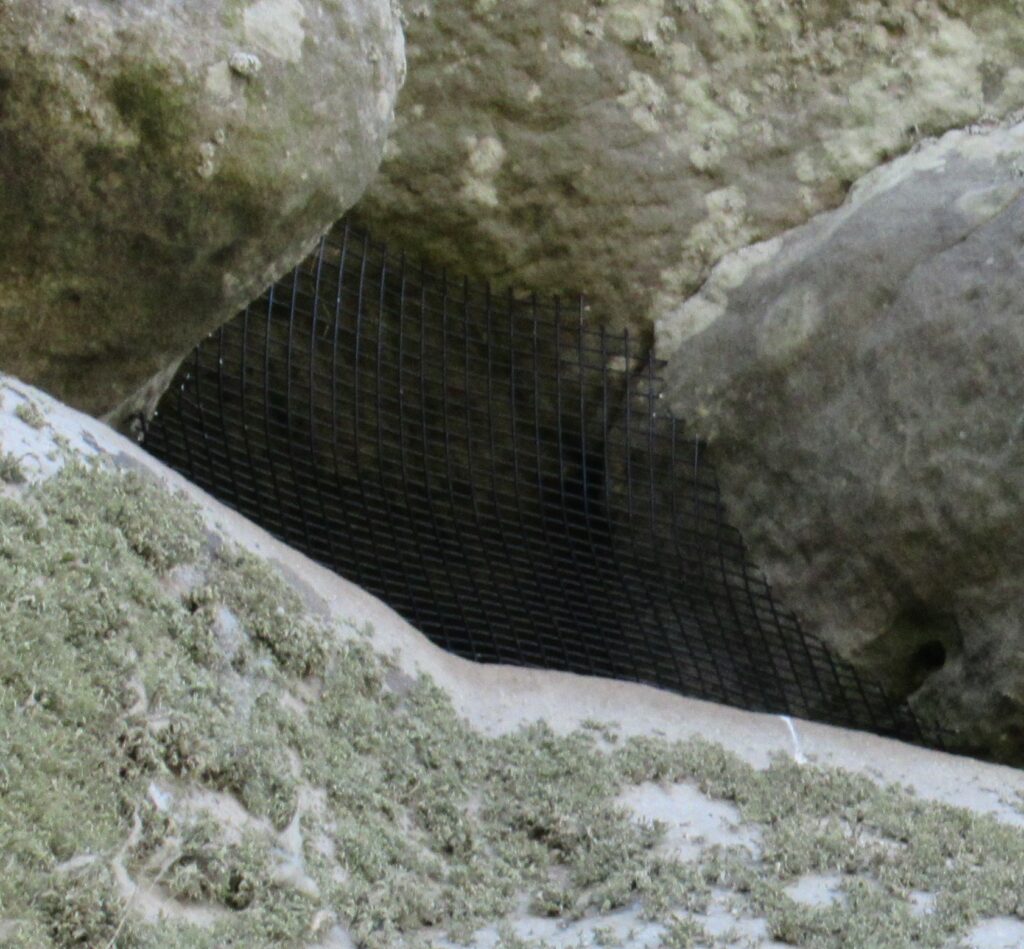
798, 755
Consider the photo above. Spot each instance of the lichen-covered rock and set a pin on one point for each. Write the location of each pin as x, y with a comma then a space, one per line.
201, 750
621, 149
162, 162
859, 381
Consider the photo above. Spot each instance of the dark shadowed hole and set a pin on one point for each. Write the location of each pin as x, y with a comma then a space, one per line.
436, 445
930, 657
916, 645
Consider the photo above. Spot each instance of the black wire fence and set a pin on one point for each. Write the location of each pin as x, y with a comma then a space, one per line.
502, 473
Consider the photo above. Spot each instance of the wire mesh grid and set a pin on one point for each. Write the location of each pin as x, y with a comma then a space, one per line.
502, 473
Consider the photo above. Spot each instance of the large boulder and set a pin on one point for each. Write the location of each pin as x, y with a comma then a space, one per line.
622, 148
162, 161
859, 383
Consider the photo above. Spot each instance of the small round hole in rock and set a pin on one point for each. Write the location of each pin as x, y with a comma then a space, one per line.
916, 644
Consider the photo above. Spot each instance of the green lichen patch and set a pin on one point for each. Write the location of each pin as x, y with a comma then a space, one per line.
127, 509
88, 629
77, 604
684, 933
178, 729
883, 842
11, 470
271, 610
30, 414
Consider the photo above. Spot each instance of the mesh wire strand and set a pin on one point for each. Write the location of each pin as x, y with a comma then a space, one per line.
502, 474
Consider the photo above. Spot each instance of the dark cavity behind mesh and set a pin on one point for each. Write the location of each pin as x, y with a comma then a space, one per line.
502, 474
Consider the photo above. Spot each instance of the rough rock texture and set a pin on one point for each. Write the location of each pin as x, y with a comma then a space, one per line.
620, 149
859, 380
161, 162
206, 744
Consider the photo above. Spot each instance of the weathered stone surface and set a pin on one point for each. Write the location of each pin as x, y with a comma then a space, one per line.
162, 162
622, 148
211, 741
859, 380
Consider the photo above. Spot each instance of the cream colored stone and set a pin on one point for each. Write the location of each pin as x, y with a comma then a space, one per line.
985, 203
218, 80
789, 323
575, 57
663, 104
276, 27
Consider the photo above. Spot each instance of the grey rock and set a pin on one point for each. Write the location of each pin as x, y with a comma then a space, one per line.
859, 383
163, 161
621, 149
245, 65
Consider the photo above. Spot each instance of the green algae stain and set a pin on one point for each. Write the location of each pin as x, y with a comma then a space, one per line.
142, 98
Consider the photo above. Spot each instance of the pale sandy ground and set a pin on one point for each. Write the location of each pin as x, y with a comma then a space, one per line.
498, 699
